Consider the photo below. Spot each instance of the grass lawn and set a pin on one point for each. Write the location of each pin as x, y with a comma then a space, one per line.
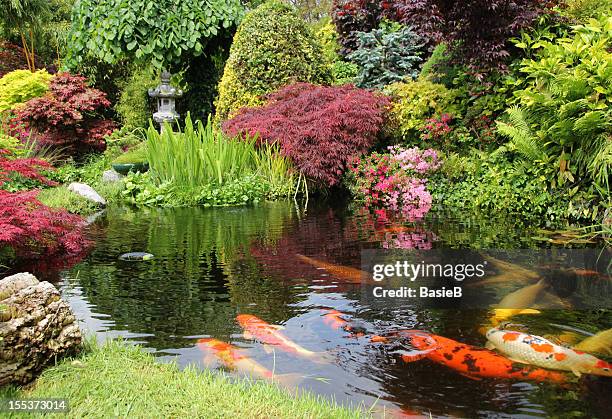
119, 380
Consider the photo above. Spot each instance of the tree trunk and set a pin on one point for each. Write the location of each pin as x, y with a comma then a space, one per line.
37, 327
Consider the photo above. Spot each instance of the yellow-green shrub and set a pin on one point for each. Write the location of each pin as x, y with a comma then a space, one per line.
19, 86
11, 144
415, 102
272, 47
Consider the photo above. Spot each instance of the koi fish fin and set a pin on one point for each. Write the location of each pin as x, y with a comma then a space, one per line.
411, 356
577, 373
489, 345
208, 359
277, 327
247, 335
471, 377
268, 349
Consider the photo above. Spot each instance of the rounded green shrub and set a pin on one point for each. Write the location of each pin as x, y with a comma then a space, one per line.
19, 86
414, 103
272, 47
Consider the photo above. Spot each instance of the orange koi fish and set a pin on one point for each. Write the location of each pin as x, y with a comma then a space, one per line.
536, 350
470, 361
336, 320
255, 328
234, 359
345, 273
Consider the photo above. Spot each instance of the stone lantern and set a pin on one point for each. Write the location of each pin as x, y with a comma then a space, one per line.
166, 96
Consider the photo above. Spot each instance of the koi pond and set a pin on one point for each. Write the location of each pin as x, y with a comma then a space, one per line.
212, 265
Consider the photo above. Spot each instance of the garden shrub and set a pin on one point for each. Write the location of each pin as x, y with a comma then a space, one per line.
11, 58
162, 33
396, 180
413, 103
22, 173
32, 229
272, 47
583, 10
320, 128
136, 155
11, 145
133, 106
19, 86
491, 183
564, 119
344, 73
68, 117
386, 55
352, 16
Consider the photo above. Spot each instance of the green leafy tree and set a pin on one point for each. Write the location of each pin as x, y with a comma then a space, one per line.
386, 55
164, 32
272, 48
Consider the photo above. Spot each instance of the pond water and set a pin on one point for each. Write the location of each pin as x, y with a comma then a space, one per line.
211, 265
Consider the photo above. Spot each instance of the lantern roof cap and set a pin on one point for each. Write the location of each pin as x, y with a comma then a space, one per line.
165, 89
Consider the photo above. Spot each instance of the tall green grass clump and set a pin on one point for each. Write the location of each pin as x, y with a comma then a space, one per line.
202, 161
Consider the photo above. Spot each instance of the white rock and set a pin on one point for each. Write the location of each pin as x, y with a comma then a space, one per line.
111, 176
87, 192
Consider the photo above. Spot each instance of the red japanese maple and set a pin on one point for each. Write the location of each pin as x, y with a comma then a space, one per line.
319, 127
68, 117
28, 168
33, 229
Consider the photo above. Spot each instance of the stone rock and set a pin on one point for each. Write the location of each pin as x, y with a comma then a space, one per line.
111, 176
36, 328
87, 192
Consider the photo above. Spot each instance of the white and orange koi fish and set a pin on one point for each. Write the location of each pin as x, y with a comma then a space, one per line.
255, 328
536, 350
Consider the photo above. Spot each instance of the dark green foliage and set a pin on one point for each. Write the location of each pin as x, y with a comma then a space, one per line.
202, 80
272, 47
386, 55
134, 105
164, 32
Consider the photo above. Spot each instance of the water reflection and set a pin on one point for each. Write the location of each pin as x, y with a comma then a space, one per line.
212, 264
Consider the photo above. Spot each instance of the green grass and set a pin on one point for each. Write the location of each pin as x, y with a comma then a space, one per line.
61, 197
119, 380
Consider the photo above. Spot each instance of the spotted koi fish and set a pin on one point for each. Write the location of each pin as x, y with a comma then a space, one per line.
255, 328
536, 350
337, 321
470, 361
344, 273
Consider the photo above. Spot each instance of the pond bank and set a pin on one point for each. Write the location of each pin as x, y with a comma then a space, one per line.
118, 379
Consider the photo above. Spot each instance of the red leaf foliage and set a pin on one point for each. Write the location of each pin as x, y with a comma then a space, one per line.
320, 128
28, 168
33, 229
68, 116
